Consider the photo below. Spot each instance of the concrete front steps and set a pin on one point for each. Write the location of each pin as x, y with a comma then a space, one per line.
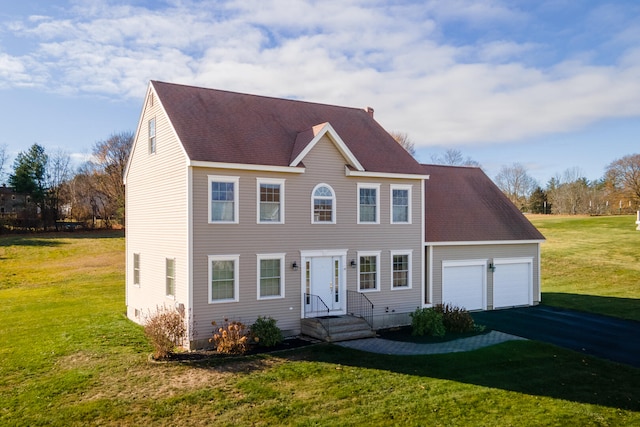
336, 328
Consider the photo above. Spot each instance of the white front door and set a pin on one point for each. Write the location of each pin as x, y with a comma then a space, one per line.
324, 281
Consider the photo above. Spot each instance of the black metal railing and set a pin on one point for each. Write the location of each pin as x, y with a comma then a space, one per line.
359, 305
314, 306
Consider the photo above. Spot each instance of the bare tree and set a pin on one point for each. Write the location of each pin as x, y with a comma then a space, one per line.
4, 157
516, 183
110, 160
571, 193
403, 139
624, 176
453, 157
58, 173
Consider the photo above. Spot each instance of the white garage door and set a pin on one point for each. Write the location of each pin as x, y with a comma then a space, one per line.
512, 282
463, 284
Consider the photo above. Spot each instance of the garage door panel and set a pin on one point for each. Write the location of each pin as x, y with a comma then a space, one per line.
512, 283
463, 286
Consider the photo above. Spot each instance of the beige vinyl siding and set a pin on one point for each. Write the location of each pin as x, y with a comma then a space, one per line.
484, 252
156, 217
324, 164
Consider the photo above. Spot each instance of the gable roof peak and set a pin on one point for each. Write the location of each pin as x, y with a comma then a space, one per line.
220, 126
307, 139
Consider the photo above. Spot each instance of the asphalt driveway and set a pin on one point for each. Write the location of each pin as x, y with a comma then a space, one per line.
596, 335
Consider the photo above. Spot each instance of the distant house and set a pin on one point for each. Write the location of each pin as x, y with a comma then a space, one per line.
12, 203
241, 206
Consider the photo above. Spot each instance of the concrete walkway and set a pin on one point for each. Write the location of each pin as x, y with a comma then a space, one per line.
382, 346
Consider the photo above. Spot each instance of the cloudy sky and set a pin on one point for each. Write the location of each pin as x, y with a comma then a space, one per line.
549, 84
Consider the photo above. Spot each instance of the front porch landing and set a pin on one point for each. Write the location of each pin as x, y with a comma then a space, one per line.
336, 328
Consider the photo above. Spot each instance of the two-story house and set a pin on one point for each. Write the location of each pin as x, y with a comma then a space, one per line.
241, 206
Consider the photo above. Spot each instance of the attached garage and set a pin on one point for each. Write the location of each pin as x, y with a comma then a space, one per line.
512, 282
481, 252
464, 284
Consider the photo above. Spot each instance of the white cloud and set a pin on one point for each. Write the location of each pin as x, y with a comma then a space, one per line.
394, 58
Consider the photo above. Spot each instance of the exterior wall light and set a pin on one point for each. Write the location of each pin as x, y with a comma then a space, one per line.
294, 266
353, 263
492, 267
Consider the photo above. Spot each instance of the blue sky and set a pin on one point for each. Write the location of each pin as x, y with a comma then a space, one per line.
553, 85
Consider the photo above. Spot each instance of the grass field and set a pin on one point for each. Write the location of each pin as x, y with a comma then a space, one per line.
70, 357
591, 264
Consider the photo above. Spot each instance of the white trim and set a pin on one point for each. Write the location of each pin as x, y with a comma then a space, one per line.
189, 201
368, 186
275, 181
423, 266
323, 253
236, 279
539, 278
328, 130
306, 255
409, 254
430, 284
369, 174
409, 189
235, 180
333, 205
369, 254
175, 280
247, 167
484, 242
279, 256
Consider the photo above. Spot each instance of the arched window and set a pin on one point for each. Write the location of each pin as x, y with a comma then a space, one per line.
323, 205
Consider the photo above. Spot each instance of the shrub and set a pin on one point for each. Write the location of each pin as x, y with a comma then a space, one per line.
230, 338
264, 332
166, 330
427, 321
455, 319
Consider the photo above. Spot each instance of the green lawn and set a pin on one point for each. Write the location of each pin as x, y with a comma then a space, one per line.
591, 264
70, 357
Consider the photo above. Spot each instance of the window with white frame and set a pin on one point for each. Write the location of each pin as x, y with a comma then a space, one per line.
136, 269
223, 203
368, 271
400, 269
152, 135
170, 268
270, 276
270, 201
368, 203
400, 204
323, 204
223, 278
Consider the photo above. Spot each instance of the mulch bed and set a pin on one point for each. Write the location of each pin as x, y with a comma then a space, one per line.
403, 333
200, 355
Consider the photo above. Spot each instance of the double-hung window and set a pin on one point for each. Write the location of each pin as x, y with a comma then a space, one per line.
323, 205
136, 269
368, 271
270, 276
170, 267
401, 269
223, 203
223, 278
152, 135
270, 201
368, 203
401, 204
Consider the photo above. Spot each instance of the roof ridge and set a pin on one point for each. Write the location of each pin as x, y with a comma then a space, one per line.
276, 98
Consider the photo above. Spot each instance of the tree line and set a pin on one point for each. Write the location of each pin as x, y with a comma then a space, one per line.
46, 193
568, 193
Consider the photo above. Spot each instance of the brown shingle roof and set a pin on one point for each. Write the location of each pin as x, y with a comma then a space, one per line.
229, 127
463, 205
